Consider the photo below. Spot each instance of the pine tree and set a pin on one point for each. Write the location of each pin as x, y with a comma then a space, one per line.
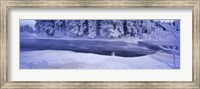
59, 26
111, 28
82, 27
138, 25
45, 28
67, 28
92, 28
106, 28
119, 27
73, 28
131, 30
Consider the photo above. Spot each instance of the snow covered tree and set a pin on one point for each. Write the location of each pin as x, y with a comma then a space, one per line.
92, 28
146, 26
119, 27
73, 28
67, 28
45, 28
138, 26
131, 29
59, 26
111, 28
26, 28
160, 30
106, 28
157, 34
171, 29
82, 27
176, 23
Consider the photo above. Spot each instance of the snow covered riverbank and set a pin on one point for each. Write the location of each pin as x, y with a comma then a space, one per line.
56, 59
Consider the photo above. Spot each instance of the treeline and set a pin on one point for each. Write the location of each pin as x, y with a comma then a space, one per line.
26, 28
102, 28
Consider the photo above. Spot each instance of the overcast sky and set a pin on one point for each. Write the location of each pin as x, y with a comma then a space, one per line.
27, 22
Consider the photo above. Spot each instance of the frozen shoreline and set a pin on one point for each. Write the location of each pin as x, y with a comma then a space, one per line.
129, 40
56, 59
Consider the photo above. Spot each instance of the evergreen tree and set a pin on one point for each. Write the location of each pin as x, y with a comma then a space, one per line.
103, 28
82, 27
92, 28
67, 28
59, 26
73, 28
106, 28
111, 28
44, 28
131, 29
119, 27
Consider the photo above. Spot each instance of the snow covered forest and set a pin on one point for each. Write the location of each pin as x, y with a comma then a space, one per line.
141, 29
101, 44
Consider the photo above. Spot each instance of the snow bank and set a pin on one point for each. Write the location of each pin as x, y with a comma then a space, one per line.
55, 59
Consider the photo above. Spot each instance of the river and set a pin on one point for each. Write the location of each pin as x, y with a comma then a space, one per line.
102, 47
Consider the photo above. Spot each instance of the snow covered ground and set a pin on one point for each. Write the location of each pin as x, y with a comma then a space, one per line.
57, 59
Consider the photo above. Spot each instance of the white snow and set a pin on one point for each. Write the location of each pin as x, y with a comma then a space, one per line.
26, 35
57, 59
165, 20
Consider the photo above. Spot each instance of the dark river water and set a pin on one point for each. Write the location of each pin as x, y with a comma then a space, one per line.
119, 48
